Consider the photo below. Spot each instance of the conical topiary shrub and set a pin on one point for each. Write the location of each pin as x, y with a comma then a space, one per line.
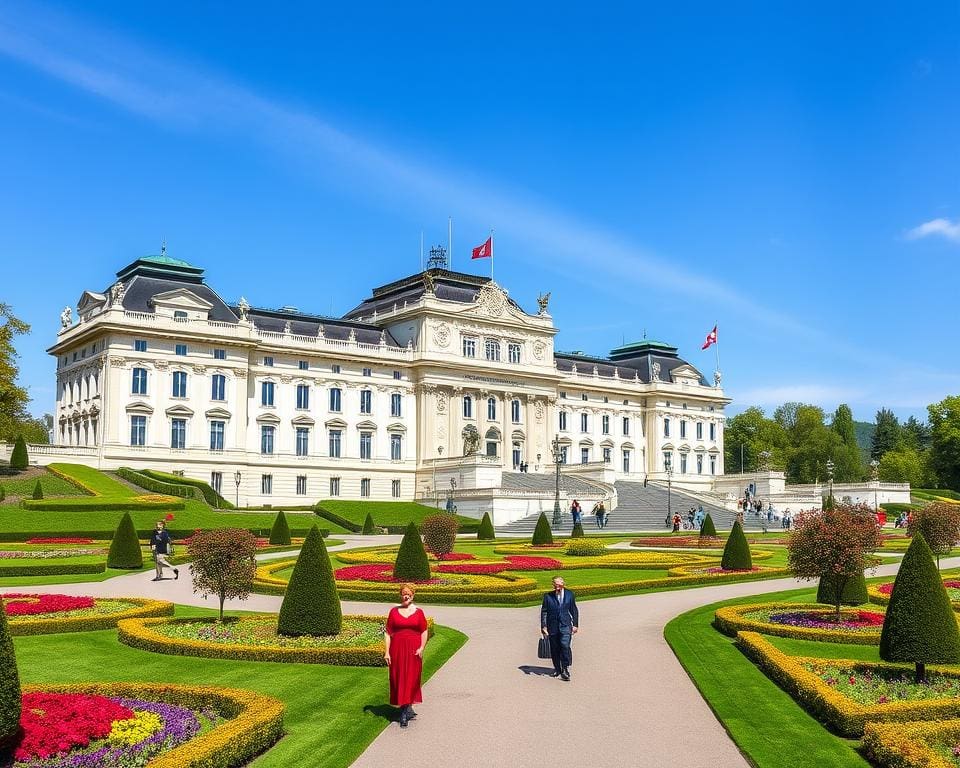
736, 553
542, 533
368, 525
311, 605
37, 490
920, 626
2, 493
485, 532
125, 549
411, 563
708, 529
19, 458
577, 532
9, 687
854, 591
280, 532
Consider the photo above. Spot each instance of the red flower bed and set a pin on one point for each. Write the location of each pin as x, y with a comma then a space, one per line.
58, 722
380, 572
59, 540
530, 563
718, 569
886, 589
25, 604
477, 569
454, 556
677, 541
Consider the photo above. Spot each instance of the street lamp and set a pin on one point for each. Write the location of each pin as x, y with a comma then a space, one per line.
236, 479
437, 495
453, 487
830, 466
669, 468
875, 476
557, 455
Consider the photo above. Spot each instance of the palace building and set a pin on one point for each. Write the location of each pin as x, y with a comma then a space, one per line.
438, 385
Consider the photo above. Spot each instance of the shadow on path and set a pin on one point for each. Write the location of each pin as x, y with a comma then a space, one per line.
527, 669
384, 711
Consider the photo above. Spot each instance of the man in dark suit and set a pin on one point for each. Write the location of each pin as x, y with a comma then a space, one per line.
559, 620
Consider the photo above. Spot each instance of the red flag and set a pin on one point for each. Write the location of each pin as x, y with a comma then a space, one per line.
711, 338
484, 251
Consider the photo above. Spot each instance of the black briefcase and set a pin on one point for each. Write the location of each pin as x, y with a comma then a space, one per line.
543, 648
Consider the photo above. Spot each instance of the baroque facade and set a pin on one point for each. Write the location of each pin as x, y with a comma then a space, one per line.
436, 381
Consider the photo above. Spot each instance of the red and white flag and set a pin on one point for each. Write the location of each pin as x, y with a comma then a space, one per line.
484, 251
711, 338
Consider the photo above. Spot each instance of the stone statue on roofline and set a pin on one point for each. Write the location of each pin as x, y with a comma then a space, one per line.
543, 300
116, 292
244, 306
717, 379
66, 318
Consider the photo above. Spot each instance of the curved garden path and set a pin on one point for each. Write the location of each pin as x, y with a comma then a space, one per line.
630, 703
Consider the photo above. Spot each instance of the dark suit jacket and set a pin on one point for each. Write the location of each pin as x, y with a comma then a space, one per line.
559, 618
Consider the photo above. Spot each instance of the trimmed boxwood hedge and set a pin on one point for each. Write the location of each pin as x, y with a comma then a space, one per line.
311, 605
577, 532
280, 532
51, 569
158, 486
19, 458
369, 528
854, 591
708, 529
125, 549
37, 490
9, 686
736, 553
411, 563
485, 531
542, 533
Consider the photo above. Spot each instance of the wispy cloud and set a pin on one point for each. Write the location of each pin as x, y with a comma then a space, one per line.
936, 228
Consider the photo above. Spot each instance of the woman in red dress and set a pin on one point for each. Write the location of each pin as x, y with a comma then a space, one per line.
405, 638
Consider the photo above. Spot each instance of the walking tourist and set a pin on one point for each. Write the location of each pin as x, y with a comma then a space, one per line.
405, 638
597, 514
575, 512
601, 514
677, 520
161, 545
559, 621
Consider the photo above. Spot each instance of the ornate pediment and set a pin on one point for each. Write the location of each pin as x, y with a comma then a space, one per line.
181, 298
685, 373
89, 300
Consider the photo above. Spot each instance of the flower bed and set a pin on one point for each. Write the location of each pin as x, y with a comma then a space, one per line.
40, 614
689, 542
255, 638
804, 621
48, 554
59, 540
103, 725
804, 679
913, 745
880, 593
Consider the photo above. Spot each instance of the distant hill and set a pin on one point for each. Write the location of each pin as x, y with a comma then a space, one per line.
864, 431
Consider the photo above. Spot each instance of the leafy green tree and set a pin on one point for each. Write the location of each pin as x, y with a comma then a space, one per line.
411, 563
812, 443
920, 626
311, 604
125, 549
369, 528
945, 441
485, 530
888, 434
756, 434
9, 687
916, 434
280, 532
736, 552
939, 524
224, 563
542, 533
19, 458
13, 398
905, 465
846, 456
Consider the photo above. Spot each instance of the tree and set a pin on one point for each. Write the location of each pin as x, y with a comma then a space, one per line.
833, 544
37, 490
939, 524
708, 530
19, 458
411, 563
916, 434
920, 626
945, 441
848, 467
311, 605
280, 532
125, 549
905, 465
812, 443
542, 533
736, 552
854, 592
756, 433
485, 531
13, 398
9, 686
368, 525
224, 563
440, 533
887, 436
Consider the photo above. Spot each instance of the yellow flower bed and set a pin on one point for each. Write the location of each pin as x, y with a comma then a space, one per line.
139, 727
254, 721
731, 619
140, 607
909, 745
842, 713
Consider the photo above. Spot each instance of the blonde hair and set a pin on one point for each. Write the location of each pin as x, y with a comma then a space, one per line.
408, 587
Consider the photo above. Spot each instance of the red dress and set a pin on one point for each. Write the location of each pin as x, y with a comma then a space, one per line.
405, 665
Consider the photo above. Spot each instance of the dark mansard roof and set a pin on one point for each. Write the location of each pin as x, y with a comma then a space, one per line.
631, 361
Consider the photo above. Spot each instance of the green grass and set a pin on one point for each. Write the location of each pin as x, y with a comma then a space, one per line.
333, 713
75, 578
49, 482
97, 481
385, 513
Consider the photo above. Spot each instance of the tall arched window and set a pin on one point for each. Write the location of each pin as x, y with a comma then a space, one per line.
467, 407
492, 408
515, 411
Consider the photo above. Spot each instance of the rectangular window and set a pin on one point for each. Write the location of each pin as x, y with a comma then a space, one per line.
397, 376
139, 381
713, 465
335, 435
467, 407
266, 438
563, 395
395, 489
178, 433
683, 428
216, 435
469, 347
626, 461
335, 369
713, 431
515, 411
366, 445
304, 365
366, 401
606, 455
492, 350
583, 396
180, 350
516, 455
514, 352
266, 393
266, 484
335, 400
491, 409
683, 463
395, 404
218, 387
268, 361
140, 345
138, 430
666, 426
303, 441
303, 397
334, 486
367, 372
699, 430
396, 447
699, 463
365, 487
584, 455
626, 426
301, 485
180, 315
605, 424
219, 354
563, 421
584, 422
216, 481
179, 384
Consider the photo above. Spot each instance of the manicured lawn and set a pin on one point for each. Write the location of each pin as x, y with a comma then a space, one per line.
97, 481
76, 578
385, 513
333, 713
22, 484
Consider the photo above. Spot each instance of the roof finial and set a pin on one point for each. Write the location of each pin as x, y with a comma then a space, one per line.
163, 247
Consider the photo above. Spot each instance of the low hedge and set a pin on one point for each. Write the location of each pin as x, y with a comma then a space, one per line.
584, 547
104, 503
141, 608
139, 633
212, 498
910, 745
730, 620
52, 569
843, 714
158, 486
254, 721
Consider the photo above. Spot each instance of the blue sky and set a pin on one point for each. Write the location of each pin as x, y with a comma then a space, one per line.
790, 173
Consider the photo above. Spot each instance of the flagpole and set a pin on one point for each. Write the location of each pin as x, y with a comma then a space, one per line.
491, 255
421, 250
450, 242
717, 345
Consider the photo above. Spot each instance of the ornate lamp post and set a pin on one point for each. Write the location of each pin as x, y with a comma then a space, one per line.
875, 477
669, 469
440, 456
236, 479
557, 455
830, 466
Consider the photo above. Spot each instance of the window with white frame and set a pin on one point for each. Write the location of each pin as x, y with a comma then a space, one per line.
303, 441
366, 445
334, 368
515, 411
268, 361
397, 375
683, 463
584, 422
216, 481
303, 397
180, 350
218, 387
301, 485
513, 350
683, 428
365, 487
563, 421
367, 372
626, 426
335, 395
713, 431
584, 455
334, 486
491, 409
626, 460
396, 447
563, 454
303, 365
516, 454
178, 433
469, 346
467, 407
217, 429
179, 383
266, 484
267, 433
335, 435
699, 430
713, 465
140, 345
266, 393
138, 430
666, 426
139, 384
219, 354
366, 401
606, 454
491, 349
605, 424
395, 489
396, 402
667, 460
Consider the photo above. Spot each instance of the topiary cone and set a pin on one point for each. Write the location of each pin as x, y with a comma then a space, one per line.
19, 458
920, 626
708, 528
38, 490
125, 549
542, 533
854, 591
577, 532
9, 686
485, 532
368, 526
280, 532
736, 553
311, 605
411, 563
